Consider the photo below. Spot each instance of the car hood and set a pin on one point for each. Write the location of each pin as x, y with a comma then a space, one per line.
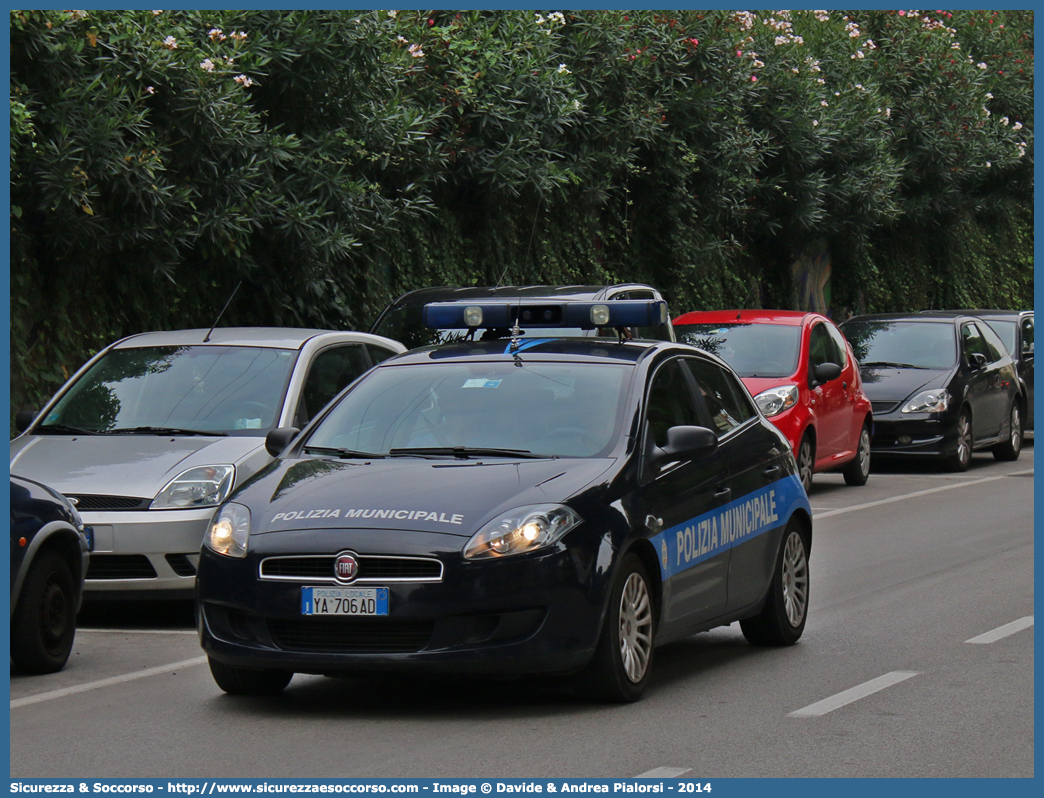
882, 384
444, 496
121, 465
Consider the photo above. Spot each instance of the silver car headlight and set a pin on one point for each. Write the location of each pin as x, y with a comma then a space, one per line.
933, 401
776, 400
205, 486
229, 532
521, 530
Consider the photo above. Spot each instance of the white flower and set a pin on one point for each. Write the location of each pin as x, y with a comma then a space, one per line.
859, 86
402, 40
243, 80
822, 16
576, 105
758, 64
824, 103
795, 70
416, 51
557, 16
207, 65
989, 95
820, 81
157, 12
837, 94
1017, 126
239, 37
988, 164
562, 70
215, 34
1004, 120
981, 65
888, 112
170, 43
955, 46
393, 14
539, 19
150, 90
986, 110
815, 123
857, 54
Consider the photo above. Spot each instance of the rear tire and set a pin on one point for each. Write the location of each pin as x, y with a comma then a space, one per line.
620, 668
782, 619
858, 471
43, 626
1012, 447
244, 681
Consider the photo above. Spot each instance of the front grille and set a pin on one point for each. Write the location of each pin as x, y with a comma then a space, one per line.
120, 566
181, 565
350, 635
883, 407
321, 569
91, 502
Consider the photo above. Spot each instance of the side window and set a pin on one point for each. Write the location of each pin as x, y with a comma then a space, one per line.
973, 343
670, 402
994, 345
820, 347
331, 371
726, 402
1027, 336
379, 353
841, 351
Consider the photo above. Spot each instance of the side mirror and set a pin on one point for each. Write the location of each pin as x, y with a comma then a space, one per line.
278, 439
825, 372
24, 418
684, 443
977, 360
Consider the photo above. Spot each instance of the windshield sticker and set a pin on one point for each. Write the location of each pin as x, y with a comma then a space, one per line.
481, 383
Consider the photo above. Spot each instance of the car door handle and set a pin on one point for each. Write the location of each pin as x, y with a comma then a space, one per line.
722, 493
771, 471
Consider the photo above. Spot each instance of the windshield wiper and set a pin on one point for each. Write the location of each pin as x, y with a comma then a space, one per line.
65, 429
888, 364
345, 453
163, 431
469, 451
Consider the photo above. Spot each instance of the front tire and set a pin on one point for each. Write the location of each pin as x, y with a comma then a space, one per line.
620, 668
244, 681
44, 624
961, 459
858, 471
1012, 447
806, 461
782, 619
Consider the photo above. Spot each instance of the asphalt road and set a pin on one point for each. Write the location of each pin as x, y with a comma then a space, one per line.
889, 679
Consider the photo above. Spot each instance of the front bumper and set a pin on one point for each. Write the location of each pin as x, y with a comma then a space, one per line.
914, 434
149, 552
537, 613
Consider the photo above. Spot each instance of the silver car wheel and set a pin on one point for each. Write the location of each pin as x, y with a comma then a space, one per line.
1016, 428
805, 464
864, 451
964, 439
636, 623
795, 579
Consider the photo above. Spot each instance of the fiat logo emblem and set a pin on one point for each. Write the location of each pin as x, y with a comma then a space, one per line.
346, 567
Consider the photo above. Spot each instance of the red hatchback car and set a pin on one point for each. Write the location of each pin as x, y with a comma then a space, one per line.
802, 374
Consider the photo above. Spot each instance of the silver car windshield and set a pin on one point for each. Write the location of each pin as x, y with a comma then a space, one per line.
545, 409
192, 389
898, 344
753, 350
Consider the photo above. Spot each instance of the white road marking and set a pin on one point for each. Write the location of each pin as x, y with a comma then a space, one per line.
127, 677
852, 694
1003, 631
915, 494
664, 773
139, 631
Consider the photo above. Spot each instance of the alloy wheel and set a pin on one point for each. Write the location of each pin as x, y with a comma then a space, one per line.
795, 579
636, 624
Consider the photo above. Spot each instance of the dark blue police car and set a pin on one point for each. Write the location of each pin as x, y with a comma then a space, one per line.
514, 505
49, 551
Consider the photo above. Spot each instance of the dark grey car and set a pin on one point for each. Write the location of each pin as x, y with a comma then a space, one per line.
941, 385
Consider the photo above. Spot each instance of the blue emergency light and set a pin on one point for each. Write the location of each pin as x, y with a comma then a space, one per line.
585, 315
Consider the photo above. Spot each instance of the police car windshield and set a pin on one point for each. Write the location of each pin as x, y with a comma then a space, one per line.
235, 390
752, 349
922, 345
549, 409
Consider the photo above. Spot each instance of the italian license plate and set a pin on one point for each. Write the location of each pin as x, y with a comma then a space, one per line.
344, 601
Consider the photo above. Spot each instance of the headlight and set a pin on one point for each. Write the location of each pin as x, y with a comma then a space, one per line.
206, 486
933, 401
229, 531
521, 530
776, 400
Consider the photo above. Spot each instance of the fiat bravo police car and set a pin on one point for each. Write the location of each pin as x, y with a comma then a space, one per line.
508, 506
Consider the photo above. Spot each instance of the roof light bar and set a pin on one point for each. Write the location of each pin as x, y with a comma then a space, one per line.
547, 315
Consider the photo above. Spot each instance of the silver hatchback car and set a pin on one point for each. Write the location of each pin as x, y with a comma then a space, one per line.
152, 434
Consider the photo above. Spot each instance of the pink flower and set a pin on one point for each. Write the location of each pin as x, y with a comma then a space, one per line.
695, 42
902, 13
753, 78
739, 53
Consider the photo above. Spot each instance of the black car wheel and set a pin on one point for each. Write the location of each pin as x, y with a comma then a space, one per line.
244, 681
858, 471
782, 619
806, 461
959, 460
1012, 447
44, 624
619, 670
